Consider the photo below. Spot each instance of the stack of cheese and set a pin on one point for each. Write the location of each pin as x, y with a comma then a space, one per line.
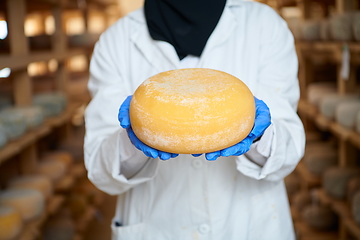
319, 156
346, 113
14, 122
319, 217
318, 90
40, 183
310, 30
29, 203
51, 103
341, 27
330, 102
336, 179
11, 222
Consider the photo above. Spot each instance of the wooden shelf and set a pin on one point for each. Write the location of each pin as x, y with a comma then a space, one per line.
342, 209
309, 180
16, 146
54, 203
21, 62
305, 232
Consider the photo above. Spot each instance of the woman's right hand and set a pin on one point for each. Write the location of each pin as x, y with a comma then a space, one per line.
124, 119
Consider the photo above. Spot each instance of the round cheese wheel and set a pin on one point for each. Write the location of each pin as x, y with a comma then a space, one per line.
61, 156
30, 203
345, 113
10, 223
52, 168
319, 217
301, 199
191, 111
311, 30
341, 27
37, 182
329, 103
14, 122
335, 180
317, 90
319, 157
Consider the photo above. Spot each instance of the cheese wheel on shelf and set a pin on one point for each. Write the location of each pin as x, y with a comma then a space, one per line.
52, 103
325, 34
310, 30
318, 158
184, 111
3, 136
37, 182
34, 116
301, 199
61, 156
352, 188
341, 27
52, 168
345, 113
11, 223
317, 90
319, 217
14, 122
30, 203
355, 207
329, 103
335, 180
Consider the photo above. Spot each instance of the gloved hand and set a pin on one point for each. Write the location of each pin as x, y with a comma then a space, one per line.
262, 122
124, 120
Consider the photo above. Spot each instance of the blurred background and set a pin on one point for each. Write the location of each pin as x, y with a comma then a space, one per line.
45, 49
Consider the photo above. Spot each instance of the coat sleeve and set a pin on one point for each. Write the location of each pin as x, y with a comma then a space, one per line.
107, 149
278, 87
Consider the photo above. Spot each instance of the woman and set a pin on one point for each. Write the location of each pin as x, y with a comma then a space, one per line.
189, 197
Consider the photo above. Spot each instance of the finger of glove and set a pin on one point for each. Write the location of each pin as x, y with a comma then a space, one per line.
197, 155
148, 151
164, 155
212, 156
262, 119
238, 149
123, 115
174, 155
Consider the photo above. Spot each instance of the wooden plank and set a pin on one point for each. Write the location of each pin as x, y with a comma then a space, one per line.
347, 154
352, 227
308, 109
322, 122
22, 88
28, 159
16, 10
22, 61
308, 180
64, 184
355, 139
341, 132
54, 204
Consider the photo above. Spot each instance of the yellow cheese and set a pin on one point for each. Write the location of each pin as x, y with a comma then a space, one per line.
37, 182
62, 156
30, 203
192, 111
10, 223
52, 168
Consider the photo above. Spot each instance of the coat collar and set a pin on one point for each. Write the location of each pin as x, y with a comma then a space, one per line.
163, 56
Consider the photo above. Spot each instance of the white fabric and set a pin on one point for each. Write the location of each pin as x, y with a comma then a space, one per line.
187, 197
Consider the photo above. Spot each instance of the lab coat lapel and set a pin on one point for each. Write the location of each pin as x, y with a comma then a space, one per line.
221, 33
161, 55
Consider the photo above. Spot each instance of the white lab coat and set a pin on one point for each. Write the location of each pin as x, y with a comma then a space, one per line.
187, 197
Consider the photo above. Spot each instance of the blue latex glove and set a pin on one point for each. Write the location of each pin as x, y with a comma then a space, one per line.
124, 120
262, 122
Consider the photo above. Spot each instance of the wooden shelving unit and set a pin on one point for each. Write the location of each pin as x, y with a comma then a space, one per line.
23, 154
311, 55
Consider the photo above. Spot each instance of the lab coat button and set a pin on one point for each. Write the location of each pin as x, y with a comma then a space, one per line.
204, 228
197, 163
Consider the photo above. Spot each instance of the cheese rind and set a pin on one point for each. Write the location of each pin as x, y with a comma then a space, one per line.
345, 113
10, 223
37, 182
30, 203
192, 111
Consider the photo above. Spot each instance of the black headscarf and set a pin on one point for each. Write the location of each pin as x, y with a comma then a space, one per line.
185, 24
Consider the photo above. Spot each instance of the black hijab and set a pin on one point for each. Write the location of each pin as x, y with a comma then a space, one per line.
185, 24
